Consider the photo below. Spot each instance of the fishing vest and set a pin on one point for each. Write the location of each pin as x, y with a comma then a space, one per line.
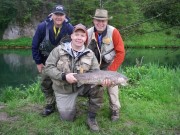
107, 52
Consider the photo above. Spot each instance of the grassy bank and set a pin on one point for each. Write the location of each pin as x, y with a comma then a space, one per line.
24, 42
150, 105
166, 38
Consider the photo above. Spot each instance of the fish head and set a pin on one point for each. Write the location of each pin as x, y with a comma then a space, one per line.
122, 81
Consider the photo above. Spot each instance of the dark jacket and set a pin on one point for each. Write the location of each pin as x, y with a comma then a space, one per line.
40, 34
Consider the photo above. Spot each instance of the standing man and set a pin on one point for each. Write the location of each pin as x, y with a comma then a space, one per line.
48, 35
106, 42
64, 61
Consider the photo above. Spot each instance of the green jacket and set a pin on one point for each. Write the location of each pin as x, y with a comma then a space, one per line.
61, 60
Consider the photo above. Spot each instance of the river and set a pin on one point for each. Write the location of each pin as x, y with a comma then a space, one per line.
17, 67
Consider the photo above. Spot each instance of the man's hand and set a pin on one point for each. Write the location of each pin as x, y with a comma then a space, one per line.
107, 83
40, 67
70, 78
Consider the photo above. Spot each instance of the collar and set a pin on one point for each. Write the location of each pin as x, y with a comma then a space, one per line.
77, 53
67, 47
103, 33
56, 30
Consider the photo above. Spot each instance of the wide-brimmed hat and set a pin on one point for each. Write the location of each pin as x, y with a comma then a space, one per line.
59, 9
101, 14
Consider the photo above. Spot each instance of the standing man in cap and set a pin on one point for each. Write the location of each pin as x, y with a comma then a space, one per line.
106, 42
48, 35
64, 61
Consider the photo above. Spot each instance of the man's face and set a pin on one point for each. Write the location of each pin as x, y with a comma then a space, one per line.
100, 25
78, 38
58, 19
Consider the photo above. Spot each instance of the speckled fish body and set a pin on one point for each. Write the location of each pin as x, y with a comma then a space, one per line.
97, 77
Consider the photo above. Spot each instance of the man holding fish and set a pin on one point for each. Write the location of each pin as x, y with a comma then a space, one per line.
63, 62
68, 66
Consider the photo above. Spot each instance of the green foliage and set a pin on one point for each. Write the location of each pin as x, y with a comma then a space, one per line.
154, 39
168, 11
136, 73
123, 12
34, 93
26, 9
80, 11
150, 82
31, 92
7, 14
130, 17
21, 10
24, 41
10, 94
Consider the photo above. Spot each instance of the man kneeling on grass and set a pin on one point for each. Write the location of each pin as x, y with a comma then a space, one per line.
64, 61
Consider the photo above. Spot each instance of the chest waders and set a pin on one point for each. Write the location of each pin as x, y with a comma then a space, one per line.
45, 46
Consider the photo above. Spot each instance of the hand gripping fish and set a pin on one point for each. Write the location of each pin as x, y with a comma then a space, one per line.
98, 76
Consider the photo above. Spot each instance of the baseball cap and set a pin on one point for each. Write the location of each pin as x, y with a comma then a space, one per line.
59, 9
81, 27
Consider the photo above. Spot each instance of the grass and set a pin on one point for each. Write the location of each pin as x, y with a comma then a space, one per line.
150, 105
24, 41
166, 38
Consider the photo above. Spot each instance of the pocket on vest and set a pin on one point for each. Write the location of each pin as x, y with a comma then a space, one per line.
109, 57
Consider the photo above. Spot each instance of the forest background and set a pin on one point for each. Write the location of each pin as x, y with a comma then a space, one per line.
138, 21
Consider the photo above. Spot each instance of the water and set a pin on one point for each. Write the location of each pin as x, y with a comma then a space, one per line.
17, 67
162, 57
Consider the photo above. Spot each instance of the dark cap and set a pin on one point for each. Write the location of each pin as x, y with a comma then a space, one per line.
59, 9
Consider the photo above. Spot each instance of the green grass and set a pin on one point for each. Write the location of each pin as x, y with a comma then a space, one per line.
165, 38
24, 41
150, 105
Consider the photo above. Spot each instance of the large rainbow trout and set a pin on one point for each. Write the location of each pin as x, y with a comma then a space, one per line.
97, 77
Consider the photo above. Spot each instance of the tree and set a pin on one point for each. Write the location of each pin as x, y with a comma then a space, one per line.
169, 11
7, 13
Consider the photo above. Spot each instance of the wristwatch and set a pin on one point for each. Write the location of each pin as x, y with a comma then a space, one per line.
63, 76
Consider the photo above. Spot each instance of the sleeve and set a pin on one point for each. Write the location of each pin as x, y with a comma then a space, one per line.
119, 49
37, 39
50, 68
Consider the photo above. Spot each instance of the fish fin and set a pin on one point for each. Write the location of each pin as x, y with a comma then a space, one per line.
125, 84
92, 86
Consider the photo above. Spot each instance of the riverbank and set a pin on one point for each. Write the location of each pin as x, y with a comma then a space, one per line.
16, 43
150, 105
162, 39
